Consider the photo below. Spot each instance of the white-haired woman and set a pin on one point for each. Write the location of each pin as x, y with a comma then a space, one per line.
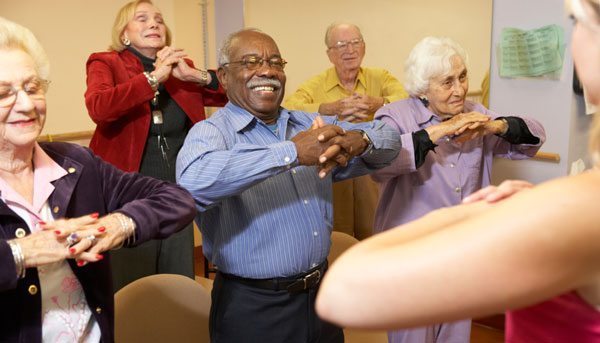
448, 144
61, 209
534, 254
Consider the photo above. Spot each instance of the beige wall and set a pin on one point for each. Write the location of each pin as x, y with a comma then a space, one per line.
390, 28
72, 29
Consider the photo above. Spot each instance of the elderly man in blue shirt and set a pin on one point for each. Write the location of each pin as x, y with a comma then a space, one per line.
261, 177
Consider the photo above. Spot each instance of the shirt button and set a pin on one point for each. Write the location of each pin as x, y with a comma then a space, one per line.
20, 233
71, 170
452, 165
55, 209
287, 159
98, 310
457, 189
316, 233
32, 290
370, 151
305, 202
447, 139
293, 171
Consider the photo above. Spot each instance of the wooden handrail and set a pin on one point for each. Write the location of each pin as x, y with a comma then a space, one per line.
547, 156
475, 93
81, 135
66, 137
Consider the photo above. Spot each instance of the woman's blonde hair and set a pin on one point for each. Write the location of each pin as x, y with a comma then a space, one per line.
123, 18
594, 20
15, 36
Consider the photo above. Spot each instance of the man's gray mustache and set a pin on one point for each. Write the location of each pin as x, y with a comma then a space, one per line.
266, 82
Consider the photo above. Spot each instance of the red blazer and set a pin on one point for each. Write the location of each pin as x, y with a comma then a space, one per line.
117, 99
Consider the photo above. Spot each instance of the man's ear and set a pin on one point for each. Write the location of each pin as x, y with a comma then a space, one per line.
329, 52
221, 76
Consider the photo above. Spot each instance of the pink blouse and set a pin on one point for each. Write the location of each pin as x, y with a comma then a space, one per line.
565, 318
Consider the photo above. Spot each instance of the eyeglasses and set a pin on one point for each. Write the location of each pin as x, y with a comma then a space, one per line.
35, 90
253, 62
343, 44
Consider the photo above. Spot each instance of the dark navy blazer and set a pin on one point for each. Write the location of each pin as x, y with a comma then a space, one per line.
158, 208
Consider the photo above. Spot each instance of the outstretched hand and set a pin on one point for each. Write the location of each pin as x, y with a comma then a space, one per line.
327, 146
480, 129
456, 125
83, 238
314, 145
493, 194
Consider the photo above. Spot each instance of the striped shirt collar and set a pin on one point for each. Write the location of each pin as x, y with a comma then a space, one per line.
241, 118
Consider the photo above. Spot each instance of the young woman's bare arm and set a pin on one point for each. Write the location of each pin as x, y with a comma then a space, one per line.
470, 260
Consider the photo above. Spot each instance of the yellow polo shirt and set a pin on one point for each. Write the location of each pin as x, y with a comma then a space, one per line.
326, 87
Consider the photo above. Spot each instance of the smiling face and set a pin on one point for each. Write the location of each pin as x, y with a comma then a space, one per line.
446, 93
22, 122
259, 91
146, 30
350, 57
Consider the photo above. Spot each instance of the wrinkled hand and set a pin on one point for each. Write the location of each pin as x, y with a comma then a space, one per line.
166, 60
315, 144
343, 156
358, 107
185, 73
493, 194
50, 245
456, 125
372, 103
476, 130
463, 121
327, 146
347, 109
106, 230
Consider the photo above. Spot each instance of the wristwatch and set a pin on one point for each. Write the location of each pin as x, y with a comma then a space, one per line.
203, 77
366, 138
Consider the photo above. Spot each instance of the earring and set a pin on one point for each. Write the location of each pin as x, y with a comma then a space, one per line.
126, 41
425, 101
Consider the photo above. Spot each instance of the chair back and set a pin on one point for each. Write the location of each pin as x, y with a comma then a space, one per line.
339, 243
162, 308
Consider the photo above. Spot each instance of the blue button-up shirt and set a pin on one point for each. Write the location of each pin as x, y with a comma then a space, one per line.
263, 215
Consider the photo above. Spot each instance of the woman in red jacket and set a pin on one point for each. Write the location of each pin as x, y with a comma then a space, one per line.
144, 96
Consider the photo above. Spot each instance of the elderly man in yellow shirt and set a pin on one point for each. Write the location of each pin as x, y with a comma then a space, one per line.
353, 93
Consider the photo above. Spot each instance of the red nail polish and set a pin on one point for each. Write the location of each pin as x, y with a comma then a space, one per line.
57, 232
94, 215
80, 263
101, 229
42, 223
99, 257
72, 250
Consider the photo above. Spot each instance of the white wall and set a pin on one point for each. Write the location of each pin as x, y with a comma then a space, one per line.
552, 102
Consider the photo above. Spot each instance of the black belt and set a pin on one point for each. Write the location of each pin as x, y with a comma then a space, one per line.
292, 284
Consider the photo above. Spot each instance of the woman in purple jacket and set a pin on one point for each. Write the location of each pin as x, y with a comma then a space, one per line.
61, 209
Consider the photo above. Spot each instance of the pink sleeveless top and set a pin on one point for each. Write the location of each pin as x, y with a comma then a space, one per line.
566, 318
